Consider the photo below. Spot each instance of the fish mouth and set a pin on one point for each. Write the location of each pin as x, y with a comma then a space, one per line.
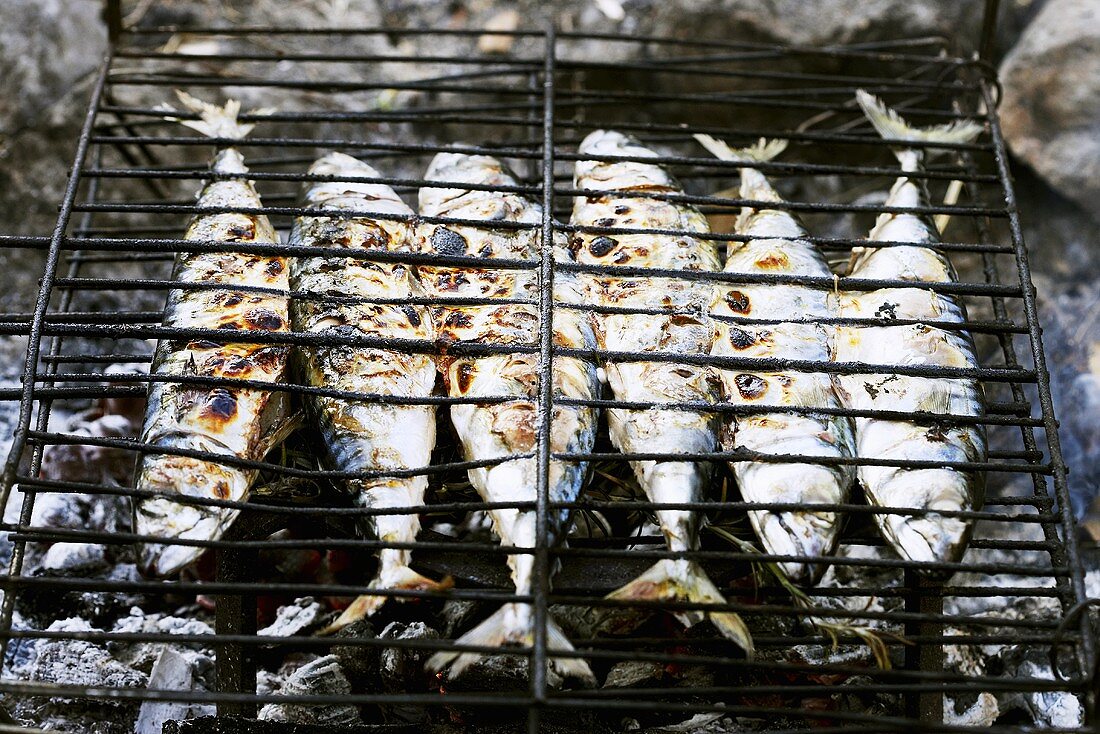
166, 521
797, 534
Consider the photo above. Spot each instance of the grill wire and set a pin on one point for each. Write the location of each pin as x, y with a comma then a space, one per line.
127, 204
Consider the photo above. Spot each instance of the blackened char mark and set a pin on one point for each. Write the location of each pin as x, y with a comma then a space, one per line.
750, 386
263, 319
738, 302
448, 242
220, 407
600, 246
411, 314
741, 339
466, 373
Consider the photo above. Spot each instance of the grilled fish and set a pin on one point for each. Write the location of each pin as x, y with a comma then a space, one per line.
615, 196
367, 436
926, 536
777, 245
494, 430
235, 422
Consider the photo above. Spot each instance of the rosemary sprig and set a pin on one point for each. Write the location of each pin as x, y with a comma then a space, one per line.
874, 639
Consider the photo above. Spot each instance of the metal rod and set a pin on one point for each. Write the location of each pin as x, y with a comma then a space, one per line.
112, 16
989, 29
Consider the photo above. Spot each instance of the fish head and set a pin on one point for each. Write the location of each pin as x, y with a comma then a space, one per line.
168, 520
810, 534
931, 537
169, 515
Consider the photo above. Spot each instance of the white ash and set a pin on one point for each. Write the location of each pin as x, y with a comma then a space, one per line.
75, 559
983, 713
268, 682
298, 618
171, 672
79, 662
142, 655
320, 677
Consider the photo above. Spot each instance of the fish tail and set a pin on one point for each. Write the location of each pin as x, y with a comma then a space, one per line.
685, 581
395, 578
512, 624
762, 151
889, 124
214, 121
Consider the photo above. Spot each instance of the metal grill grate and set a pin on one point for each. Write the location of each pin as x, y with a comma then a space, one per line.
107, 273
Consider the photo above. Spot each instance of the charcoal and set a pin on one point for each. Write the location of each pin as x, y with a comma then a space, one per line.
457, 614
237, 725
321, 677
80, 663
633, 674
402, 668
85, 463
299, 618
143, 655
41, 605
359, 662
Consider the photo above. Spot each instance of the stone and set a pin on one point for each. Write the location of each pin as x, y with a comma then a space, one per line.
46, 46
1051, 109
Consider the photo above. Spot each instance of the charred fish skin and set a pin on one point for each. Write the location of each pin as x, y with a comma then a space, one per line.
791, 314
495, 430
224, 420
931, 537
617, 194
352, 298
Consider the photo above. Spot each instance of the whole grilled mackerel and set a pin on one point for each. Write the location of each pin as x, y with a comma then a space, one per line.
777, 245
925, 536
241, 294
357, 298
494, 430
614, 196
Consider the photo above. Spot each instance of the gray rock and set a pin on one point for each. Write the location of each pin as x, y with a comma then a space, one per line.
1051, 109
46, 46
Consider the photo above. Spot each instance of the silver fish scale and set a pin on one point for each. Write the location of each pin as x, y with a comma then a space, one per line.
362, 435
235, 422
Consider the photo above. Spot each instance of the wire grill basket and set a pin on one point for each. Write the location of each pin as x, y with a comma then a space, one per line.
107, 271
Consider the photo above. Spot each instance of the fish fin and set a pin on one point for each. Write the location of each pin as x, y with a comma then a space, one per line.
366, 605
512, 624
762, 151
889, 124
214, 121
684, 581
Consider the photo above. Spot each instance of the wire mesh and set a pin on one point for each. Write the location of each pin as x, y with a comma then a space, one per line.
108, 270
